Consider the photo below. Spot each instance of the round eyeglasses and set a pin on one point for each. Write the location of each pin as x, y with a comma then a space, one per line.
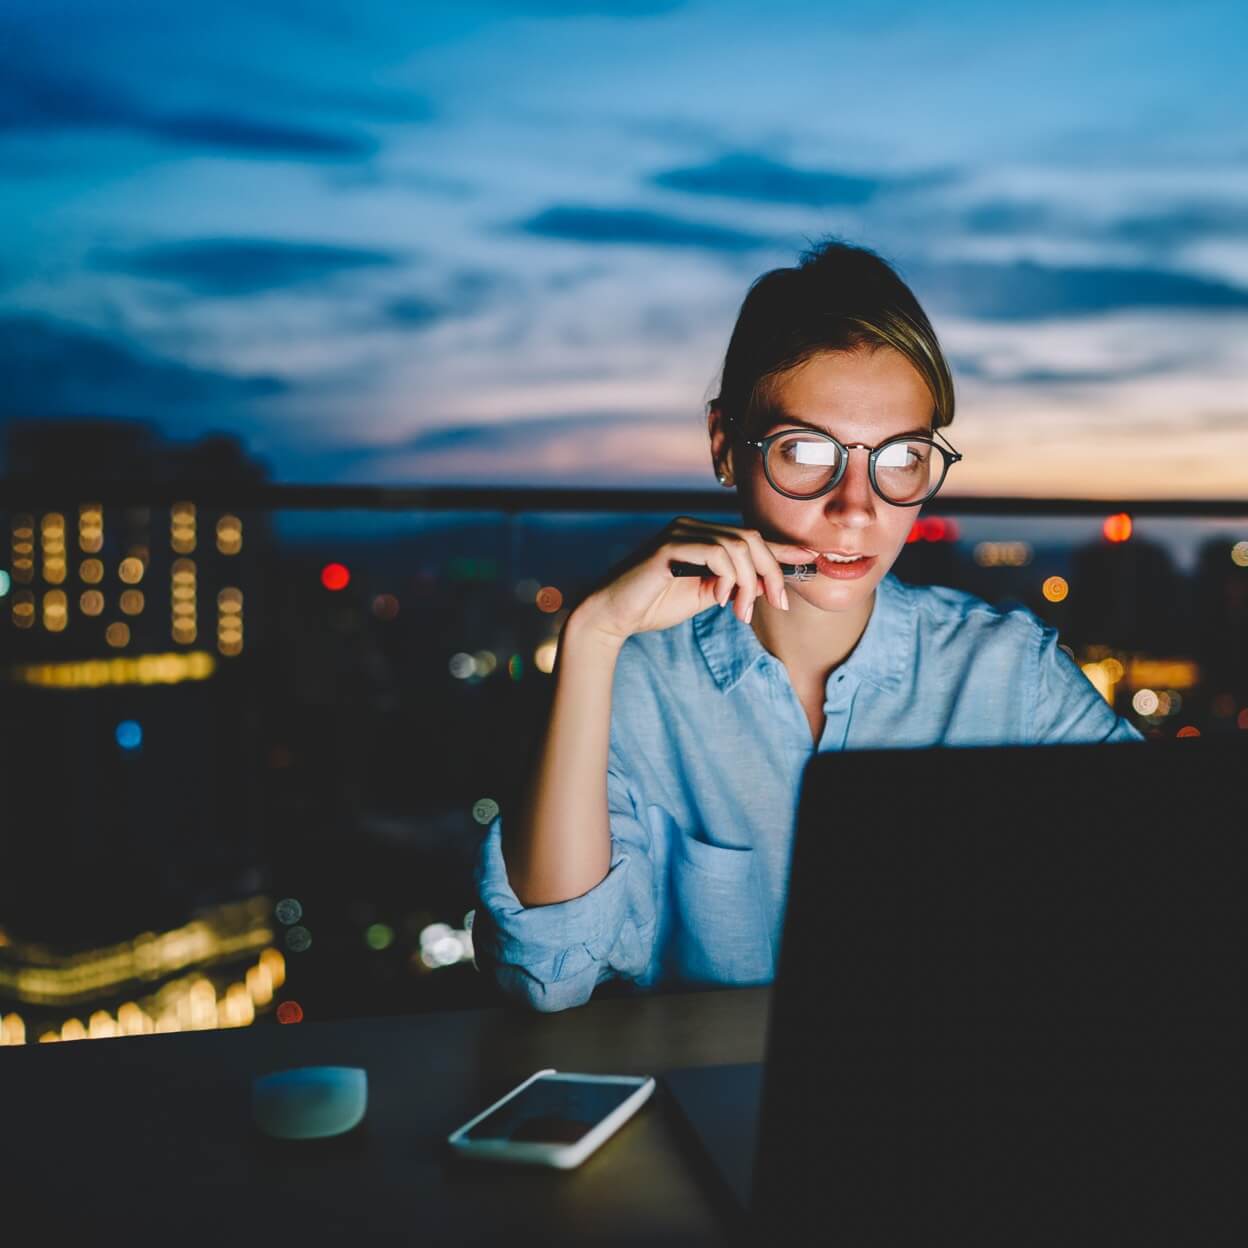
904, 471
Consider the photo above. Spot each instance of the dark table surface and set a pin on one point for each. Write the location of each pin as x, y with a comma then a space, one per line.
149, 1139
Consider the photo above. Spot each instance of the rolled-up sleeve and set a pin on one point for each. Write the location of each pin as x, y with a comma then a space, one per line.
552, 957
1067, 707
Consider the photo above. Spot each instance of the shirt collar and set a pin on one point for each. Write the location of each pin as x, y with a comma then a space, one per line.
882, 656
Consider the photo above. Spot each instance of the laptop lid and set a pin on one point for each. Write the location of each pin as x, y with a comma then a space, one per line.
1009, 1005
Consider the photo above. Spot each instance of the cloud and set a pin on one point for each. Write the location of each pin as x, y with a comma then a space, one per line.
1029, 291
466, 293
243, 266
1184, 224
589, 447
638, 227
54, 368
760, 179
35, 98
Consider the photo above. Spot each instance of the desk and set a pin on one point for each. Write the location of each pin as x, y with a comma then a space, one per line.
149, 1140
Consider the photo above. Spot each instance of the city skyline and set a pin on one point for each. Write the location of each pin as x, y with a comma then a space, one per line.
505, 243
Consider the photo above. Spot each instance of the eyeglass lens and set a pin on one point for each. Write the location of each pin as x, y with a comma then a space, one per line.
904, 471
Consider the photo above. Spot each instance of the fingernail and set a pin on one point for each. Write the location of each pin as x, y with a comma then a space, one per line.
749, 611
784, 598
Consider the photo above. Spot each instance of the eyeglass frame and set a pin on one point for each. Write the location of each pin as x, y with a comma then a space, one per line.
949, 454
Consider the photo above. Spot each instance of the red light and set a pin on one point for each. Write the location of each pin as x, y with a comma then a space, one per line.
335, 576
933, 529
1188, 731
1117, 528
290, 1012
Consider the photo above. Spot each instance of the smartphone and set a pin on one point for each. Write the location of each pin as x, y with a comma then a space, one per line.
553, 1118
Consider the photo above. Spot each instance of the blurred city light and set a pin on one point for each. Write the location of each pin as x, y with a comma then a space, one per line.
1239, 554
385, 606
129, 734
1002, 554
288, 911
1145, 702
549, 599
290, 1012
5, 582
545, 654
1055, 589
379, 936
1117, 528
484, 809
335, 576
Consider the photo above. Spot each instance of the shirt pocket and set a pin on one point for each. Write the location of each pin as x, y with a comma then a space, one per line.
719, 934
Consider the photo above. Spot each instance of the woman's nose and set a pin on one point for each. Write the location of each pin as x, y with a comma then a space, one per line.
853, 499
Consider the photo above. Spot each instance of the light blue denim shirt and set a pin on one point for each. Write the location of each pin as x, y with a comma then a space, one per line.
708, 744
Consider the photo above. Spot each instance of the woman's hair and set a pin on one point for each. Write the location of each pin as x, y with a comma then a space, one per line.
839, 297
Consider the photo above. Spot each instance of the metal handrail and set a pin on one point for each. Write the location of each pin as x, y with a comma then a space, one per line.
35, 492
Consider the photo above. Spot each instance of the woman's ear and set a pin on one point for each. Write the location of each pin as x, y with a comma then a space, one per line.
721, 445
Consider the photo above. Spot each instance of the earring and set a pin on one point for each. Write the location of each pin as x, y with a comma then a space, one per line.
723, 478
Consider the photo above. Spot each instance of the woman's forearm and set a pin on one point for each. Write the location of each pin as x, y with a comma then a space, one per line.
558, 843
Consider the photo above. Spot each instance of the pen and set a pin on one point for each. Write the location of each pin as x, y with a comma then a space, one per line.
792, 571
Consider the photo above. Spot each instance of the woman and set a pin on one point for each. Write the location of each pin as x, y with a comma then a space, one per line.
653, 844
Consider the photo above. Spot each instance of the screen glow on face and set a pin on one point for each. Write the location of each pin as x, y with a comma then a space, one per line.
552, 1111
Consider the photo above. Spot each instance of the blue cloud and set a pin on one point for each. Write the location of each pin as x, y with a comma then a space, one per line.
55, 368
243, 266
466, 293
758, 178
1184, 224
761, 179
34, 98
1029, 291
638, 227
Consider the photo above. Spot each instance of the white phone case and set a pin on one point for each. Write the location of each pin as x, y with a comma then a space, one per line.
561, 1156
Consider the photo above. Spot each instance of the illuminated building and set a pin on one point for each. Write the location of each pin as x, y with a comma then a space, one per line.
130, 736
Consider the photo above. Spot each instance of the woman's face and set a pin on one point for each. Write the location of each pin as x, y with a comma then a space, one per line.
859, 396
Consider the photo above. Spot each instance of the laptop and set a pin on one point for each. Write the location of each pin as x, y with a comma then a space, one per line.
1009, 1005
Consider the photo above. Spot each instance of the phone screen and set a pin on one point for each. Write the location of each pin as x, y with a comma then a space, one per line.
552, 1111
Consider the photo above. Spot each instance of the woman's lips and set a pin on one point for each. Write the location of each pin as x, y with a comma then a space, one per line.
845, 571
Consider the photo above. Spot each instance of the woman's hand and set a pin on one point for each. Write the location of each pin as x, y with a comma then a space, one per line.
641, 595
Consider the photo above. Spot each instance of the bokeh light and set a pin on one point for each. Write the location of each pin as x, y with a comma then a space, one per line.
290, 1012
1188, 730
1239, 554
1117, 528
1145, 702
117, 634
462, 666
288, 911
129, 734
379, 936
298, 940
335, 576
385, 606
545, 655
484, 809
549, 599
1055, 589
